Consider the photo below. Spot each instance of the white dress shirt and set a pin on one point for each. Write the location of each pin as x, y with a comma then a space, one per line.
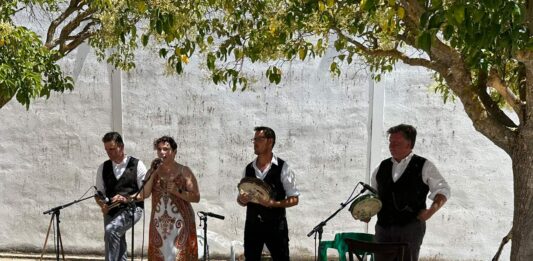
287, 176
430, 176
118, 170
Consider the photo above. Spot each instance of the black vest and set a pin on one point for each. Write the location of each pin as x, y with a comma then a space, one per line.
126, 185
273, 179
404, 199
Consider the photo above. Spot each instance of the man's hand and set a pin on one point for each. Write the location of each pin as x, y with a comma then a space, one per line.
438, 202
103, 206
366, 220
119, 198
243, 199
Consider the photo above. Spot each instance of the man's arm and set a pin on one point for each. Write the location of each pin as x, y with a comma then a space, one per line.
438, 187
286, 203
243, 199
438, 202
99, 184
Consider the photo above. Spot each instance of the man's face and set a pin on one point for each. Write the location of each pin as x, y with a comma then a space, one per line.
399, 146
164, 151
114, 151
262, 145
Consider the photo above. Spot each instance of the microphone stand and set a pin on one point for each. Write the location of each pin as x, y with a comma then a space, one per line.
318, 229
55, 212
203, 217
133, 206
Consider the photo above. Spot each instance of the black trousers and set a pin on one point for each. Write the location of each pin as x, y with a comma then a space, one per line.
273, 233
412, 233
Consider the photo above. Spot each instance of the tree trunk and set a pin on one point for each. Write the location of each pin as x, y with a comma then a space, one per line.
522, 157
522, 243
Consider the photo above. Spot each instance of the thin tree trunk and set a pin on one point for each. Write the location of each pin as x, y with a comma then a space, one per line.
522, 245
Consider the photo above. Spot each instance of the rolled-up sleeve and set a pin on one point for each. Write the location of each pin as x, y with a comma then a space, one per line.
99, 181
141, 172
288, 181
437, 184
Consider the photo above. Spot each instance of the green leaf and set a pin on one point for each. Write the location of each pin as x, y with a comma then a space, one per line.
435, 21
448, 32
435, 4
163, 52
369, 5
424, 18
321, 6
211, 61
459, 14
424, 41
302, 53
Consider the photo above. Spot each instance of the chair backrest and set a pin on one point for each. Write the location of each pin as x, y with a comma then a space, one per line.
393, 249
354, 235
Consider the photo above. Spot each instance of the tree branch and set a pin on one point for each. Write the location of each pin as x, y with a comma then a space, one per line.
413, 10
495, 82
73, 25
78, 39
489, 104
393, 53
73, 6
459, 80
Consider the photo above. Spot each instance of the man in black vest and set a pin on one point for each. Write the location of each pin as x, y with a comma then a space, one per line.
118, 178
403, 183
266, 222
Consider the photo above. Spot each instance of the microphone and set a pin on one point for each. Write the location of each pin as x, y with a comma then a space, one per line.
211, 215
156, 163
154, 166
369, 188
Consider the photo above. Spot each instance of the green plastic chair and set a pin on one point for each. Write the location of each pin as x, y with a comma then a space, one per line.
339, 244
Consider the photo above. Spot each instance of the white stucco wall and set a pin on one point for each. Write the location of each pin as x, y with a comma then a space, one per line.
49, 153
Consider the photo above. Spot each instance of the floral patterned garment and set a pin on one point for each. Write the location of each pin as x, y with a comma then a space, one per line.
172, 233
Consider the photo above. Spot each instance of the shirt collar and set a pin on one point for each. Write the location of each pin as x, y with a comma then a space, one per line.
273, 161
124, 161
406, 159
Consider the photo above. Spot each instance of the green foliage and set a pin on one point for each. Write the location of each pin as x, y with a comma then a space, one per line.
229, 34
487, 33
27, 69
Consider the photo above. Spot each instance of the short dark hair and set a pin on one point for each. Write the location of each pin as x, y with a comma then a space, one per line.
164, 139
113, 136
269, 133
408, 132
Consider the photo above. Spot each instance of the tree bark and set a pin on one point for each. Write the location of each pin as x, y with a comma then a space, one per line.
522, 244
522, 156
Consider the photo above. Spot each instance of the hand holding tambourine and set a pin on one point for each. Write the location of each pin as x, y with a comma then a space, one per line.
254, 190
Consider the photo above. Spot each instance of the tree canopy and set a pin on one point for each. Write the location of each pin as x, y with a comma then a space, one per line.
481, 52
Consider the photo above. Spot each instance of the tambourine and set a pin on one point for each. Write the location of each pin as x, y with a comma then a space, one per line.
366, 206
256, 188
